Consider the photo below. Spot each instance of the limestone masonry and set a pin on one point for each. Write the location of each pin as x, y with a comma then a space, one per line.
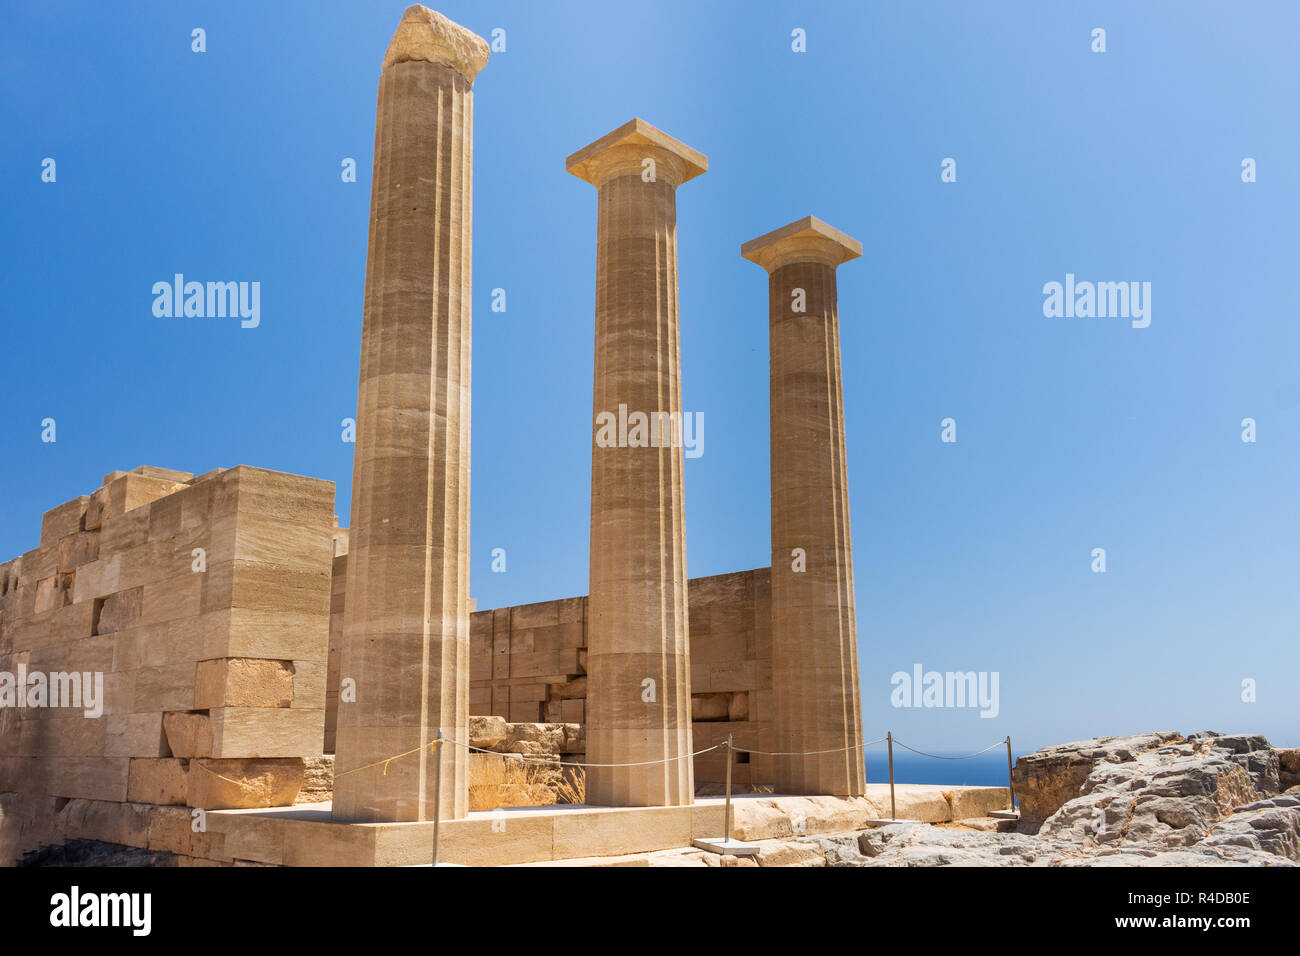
185, 654
204, 604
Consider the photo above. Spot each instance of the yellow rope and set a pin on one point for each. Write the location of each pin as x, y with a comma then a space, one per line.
433, 749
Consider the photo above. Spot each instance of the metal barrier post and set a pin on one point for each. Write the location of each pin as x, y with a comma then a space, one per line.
437, 792
893, 810
1011, 783
726, 822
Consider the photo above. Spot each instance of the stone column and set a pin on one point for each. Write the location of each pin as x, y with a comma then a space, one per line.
406, 616
638, 664
816, 703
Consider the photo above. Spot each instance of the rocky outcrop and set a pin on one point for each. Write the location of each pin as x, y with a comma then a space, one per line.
1271, 825
1170, 796
1154, 799
1156, 786
1288, 770
922, 845
1046, 779
1251, 751
902, 844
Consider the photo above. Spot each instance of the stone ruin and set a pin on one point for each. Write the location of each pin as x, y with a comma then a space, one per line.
224, 612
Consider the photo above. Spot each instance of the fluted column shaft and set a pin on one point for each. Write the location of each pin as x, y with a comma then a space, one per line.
638, 664
816, 699
406, 620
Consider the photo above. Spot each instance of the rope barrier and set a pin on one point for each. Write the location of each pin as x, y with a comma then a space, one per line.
433, 749
432, 745
562, 763
811, 753
1000, 743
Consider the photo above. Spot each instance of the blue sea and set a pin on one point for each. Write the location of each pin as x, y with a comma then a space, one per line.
986, 770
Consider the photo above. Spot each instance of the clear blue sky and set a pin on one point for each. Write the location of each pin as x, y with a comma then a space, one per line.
1072, 433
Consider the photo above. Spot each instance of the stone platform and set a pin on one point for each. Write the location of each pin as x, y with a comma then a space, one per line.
305, 835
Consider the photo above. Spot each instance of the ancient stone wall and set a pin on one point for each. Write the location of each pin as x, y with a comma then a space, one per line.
202, 604
528, 664
731, 673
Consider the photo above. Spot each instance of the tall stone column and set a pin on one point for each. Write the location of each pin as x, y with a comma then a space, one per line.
406, 618
816, 703
638, 663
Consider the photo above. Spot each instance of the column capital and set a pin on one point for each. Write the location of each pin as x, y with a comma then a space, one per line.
427, 35
805, 240
624, 150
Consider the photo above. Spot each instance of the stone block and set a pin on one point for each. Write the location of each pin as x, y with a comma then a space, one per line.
525, 711
78, 549
62, 521
969, 802
246, 837
95, 509
166, 687
244, 682
267, 732
707, 707
573, 711
118, 611
126, 824
134, 735
94, 778
134, 490
97, 579
780, 853
54, 591
610, 832
121, 533
271, 635
241, 784
188, 735
738, 708
487, 732
161, 780
179, 596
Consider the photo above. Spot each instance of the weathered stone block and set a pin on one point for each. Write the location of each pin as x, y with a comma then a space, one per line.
188, 735
160, 780
119, 611
134, 735
267, 732
242, 784
244, 682
63, 520
487, 732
